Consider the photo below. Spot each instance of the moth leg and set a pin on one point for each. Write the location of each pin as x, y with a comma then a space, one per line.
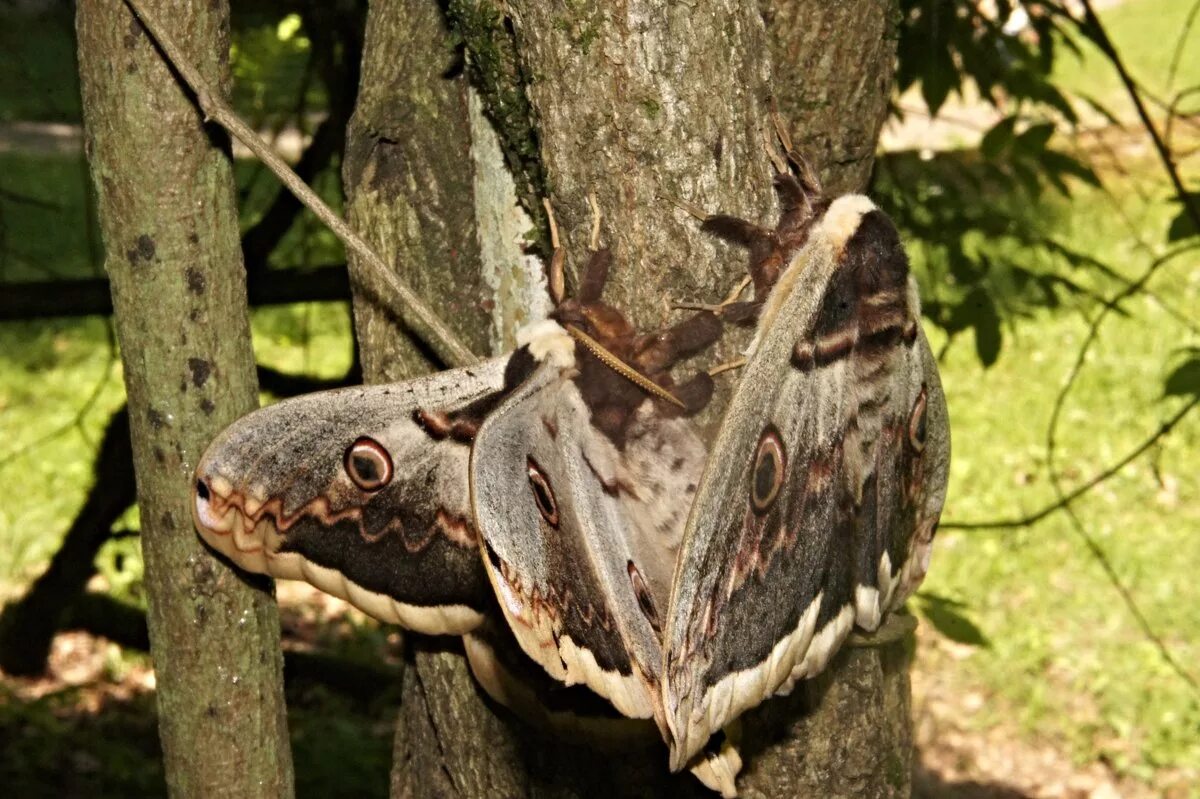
594, 239
718, 308
656, 353
736, 363
558, 286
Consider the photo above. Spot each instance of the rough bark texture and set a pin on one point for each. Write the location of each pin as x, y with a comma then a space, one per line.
169, 222
639, 104
643, 103
833, 68
409, 183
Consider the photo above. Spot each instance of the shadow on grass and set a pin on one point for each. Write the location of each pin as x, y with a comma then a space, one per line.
101, 740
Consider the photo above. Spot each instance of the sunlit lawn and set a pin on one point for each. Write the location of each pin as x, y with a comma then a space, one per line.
1066, 660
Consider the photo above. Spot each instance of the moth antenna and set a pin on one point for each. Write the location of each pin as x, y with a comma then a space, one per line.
558, 286
736, 363
785, 138
809, 181
778, 161
622, 368
594, 241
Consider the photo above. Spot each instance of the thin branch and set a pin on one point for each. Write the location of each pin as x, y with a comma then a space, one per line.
1065, 501
1183, 35
1095, 30
419, 318
1126, 595
76, 421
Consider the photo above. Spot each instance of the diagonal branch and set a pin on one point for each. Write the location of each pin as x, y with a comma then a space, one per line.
419, 318
1095, 30
1033, 518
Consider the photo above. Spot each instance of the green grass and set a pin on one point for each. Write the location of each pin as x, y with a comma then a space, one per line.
1145, 33
1066, 661
1067, 657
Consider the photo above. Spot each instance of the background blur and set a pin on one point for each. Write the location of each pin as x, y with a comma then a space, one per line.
1059, 271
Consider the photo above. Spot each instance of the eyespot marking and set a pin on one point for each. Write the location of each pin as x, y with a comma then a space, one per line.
368, 464
770, 467
917, 423
645, 601
543, 494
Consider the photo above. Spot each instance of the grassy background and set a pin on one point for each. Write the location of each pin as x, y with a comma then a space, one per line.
1065, 661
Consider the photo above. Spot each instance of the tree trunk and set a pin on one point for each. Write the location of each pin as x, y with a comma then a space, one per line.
638, 105
167, 208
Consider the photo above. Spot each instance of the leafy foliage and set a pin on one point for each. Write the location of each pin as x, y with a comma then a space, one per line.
994, 259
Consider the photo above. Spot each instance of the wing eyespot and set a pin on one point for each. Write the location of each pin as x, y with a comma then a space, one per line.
918, 423
770, 468
368, 464
543, 494
645, 601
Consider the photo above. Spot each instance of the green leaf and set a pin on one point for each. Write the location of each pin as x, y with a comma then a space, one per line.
1184, 381
1181, 226
1061, 163
986, 322
1033, 140
998, 137
939, 77
947, 617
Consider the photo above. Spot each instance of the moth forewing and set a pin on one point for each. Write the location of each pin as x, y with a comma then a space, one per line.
280, 492
786, 542
554, 544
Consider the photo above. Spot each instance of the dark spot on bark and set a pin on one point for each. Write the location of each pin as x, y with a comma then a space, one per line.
200, 369
193, 238
203, 582
159, 455
211, 711
167, 521
207, 406
194, 315
195, 280
130, 39
157, 420
201, 615
718, 149
142, 251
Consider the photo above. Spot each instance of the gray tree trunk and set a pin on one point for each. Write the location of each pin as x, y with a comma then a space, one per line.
169, 220
639, 104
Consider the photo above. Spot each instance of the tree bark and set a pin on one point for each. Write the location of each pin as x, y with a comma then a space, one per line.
834, 64
167, 208
638, 104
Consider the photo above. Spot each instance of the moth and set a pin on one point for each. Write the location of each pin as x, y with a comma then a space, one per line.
543, 499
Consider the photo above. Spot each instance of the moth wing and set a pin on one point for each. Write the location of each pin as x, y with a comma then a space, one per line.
362, 492
806, 522
556, 544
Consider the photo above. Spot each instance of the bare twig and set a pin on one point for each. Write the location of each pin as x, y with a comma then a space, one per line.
419, 318
1095, 30
1033, 518
1183, 36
